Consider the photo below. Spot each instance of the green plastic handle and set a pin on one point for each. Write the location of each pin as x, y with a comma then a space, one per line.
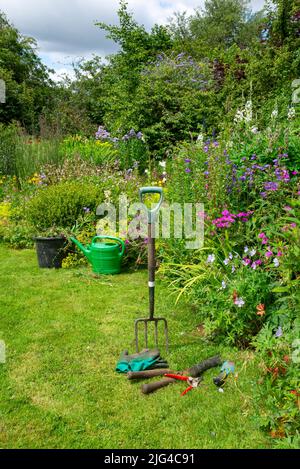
114, 239
152, 190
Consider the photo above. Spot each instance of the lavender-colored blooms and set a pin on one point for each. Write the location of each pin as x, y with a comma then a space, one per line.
211, 258
239, 302
279, 332
271, 186
187, 170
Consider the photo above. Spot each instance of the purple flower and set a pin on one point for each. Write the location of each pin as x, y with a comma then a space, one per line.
187, 160
211, 258
271, 186
279, 332
86, 209
187, 170
239, 302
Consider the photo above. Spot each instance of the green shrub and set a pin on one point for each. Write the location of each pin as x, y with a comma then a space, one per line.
8, 144
62, 204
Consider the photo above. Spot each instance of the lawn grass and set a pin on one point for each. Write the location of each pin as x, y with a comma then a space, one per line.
64, 331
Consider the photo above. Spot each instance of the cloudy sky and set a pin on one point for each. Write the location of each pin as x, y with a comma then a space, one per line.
65, 29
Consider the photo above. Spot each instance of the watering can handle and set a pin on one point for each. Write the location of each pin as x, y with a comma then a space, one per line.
152, 190
113, 238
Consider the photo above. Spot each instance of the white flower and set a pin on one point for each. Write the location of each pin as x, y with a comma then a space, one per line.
254, 130
239, 117
162, 164
291, 113
239, 302
147, 171
211, 258
246, 249
232, 269
248, 111
200, 139
224, 285
252, 252
274, 113
226, 261
276, 262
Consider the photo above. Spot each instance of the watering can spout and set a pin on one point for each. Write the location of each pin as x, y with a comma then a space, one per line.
85, 251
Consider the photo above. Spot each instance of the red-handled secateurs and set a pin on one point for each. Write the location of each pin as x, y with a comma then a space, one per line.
193, 382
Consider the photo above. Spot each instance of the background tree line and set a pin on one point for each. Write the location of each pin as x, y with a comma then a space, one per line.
171, 83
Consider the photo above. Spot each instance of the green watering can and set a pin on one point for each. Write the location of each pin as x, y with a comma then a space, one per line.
105, 257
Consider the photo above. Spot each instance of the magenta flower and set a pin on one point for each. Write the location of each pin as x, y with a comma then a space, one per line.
269, 254
246, 261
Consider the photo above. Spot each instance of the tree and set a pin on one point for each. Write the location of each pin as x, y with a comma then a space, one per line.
223, 23
26, 78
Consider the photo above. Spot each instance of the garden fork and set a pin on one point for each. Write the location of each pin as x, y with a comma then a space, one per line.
151, 272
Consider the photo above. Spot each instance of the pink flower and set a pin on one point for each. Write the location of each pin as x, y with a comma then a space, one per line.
269, 254
262, 235
279, 254
287, 208
246, 261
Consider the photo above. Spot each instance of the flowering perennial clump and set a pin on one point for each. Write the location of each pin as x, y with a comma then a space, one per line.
227, 218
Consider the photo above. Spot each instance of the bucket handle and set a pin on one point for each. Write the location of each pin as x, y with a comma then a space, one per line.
114, 239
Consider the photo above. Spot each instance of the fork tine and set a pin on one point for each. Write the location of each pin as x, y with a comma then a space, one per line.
155, 332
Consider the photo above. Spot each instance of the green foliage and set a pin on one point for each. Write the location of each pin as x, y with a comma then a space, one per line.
62, 204
26, 78
8, 143
279, 386
92, 151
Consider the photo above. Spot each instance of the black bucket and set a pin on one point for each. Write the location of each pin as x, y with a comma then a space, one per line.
50, 252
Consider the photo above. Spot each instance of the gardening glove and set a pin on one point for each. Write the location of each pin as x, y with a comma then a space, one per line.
144, 360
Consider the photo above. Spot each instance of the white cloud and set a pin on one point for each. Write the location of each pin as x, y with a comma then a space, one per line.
65, 29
